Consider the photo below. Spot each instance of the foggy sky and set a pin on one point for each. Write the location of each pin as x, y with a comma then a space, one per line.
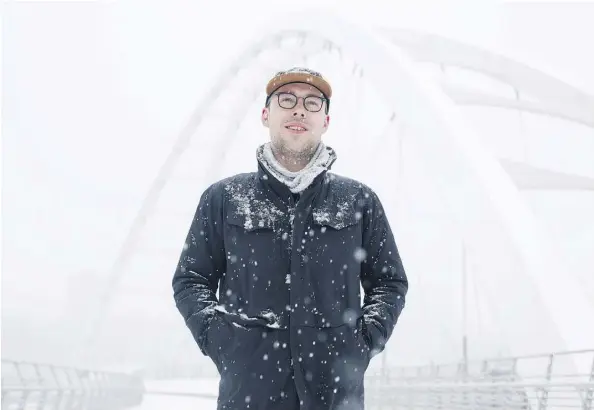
95, 95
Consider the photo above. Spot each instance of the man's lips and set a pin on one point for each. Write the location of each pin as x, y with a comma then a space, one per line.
295, 126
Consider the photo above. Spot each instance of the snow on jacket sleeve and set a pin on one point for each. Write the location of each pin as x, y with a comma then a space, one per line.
383, 277
201, 265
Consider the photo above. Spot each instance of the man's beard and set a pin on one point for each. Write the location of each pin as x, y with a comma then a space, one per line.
287, 154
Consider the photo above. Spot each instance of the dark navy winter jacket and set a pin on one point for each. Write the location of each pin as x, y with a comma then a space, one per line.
287, 328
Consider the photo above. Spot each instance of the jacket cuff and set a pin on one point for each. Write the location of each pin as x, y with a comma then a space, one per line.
199, 325
374, 337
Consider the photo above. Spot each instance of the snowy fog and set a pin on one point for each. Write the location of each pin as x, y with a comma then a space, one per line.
96, 94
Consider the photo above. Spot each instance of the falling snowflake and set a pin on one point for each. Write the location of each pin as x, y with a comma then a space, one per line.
360, 254
349, 317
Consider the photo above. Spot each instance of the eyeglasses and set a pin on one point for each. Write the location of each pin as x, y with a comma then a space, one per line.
311, 103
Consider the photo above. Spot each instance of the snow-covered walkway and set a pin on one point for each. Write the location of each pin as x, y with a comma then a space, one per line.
175, 394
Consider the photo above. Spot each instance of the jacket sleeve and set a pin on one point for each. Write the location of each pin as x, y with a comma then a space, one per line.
383, 277
201, 265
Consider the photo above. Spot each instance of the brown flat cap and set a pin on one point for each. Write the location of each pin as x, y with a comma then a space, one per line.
299, 75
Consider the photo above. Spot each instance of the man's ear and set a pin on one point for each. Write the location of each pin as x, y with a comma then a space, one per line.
326, 123
265, 117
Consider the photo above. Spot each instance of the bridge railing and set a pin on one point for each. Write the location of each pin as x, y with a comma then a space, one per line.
33, 385
525, 382
485, 395
530, 367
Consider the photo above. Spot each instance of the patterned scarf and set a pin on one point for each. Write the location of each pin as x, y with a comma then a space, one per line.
298, 181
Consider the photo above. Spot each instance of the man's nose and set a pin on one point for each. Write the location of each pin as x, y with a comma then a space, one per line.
299, 108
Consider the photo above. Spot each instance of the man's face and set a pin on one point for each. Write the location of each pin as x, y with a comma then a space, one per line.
296, 131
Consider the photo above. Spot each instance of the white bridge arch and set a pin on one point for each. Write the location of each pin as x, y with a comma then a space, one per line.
519, 263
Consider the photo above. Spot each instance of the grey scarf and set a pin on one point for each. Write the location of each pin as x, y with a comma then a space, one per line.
298, 181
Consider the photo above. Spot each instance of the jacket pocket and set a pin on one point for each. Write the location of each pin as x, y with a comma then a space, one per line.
333, 358
219, 337
255, 281
337, 218
331, 268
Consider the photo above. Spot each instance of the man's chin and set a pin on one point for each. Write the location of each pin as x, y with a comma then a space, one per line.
295, 147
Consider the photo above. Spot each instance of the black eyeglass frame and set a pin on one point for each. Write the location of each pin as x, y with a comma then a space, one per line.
297, 101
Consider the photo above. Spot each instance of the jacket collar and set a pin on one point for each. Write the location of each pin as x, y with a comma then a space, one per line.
281, 191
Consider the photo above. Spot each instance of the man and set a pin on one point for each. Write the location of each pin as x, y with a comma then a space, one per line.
288, 248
